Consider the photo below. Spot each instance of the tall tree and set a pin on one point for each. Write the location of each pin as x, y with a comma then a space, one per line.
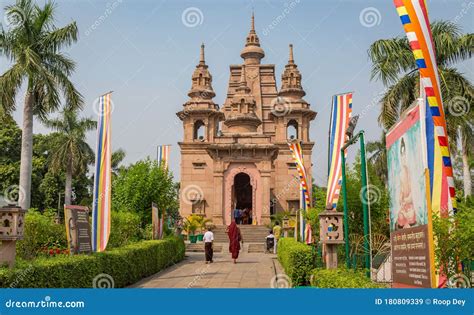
394, 65
378, 157
33, 44
71, 152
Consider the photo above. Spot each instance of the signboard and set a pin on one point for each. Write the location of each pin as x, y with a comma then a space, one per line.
157, 222
78, 229
412, 263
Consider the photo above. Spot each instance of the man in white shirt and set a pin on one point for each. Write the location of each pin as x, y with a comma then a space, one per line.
208, 238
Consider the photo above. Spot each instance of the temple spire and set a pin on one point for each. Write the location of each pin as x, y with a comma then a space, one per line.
252, 25
252, 52
201, 86
290, 58
243, 88
291, 79
201, 56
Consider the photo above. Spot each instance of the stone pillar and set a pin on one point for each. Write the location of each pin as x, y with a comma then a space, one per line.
218, 212
266, 175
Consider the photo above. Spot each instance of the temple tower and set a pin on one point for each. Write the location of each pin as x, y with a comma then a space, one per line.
247, 164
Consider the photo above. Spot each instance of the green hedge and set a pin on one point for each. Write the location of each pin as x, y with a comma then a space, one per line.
297, 259
342, 278
40, 232
126, 265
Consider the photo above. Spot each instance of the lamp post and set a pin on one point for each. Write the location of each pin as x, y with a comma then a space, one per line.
365, 208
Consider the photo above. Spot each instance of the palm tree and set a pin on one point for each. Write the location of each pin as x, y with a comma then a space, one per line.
33, 44
378, 157
117, 157
71, 153
394, 65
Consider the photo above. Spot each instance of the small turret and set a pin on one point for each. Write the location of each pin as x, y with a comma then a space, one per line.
291, 79
252, 52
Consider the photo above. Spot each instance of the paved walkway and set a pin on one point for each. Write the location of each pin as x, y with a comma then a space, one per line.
253, 270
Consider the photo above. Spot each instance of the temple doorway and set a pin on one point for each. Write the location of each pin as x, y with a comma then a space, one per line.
243, 199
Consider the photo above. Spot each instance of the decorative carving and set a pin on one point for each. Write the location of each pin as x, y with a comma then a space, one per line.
331, 231
11, 223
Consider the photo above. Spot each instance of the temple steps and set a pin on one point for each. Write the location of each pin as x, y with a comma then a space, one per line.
250, 233
254, 239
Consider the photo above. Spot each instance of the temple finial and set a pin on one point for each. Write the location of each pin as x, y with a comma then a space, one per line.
252, 25
290, 58
201, 56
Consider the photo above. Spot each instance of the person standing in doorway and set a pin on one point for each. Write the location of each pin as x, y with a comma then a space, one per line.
235, 238
208, 239
276, 234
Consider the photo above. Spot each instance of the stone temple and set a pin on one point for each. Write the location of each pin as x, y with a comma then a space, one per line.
236, 155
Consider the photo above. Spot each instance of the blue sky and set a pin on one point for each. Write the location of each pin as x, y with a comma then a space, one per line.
145, 51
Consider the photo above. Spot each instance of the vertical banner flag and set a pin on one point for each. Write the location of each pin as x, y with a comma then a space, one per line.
163, 154
102, 178
297, 152
341, 112
414, 17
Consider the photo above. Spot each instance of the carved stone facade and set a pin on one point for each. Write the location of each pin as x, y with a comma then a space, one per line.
248, 135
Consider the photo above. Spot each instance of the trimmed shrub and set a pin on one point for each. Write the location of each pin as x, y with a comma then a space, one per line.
297, 259
342, 278
41, 233
126, 265
124, 228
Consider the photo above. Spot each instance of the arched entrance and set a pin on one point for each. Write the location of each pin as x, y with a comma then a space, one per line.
243, 188
242, 197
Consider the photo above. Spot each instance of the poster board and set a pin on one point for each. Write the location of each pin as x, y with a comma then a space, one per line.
78, 229
410, 220
155, 221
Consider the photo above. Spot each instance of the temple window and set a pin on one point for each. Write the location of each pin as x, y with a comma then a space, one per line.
292, 130
199, 130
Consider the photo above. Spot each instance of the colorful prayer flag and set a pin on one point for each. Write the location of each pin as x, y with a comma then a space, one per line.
341, 112
102, 178
297, 152
414, 17
163, 154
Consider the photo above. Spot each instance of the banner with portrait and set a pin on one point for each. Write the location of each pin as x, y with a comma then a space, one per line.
411, 238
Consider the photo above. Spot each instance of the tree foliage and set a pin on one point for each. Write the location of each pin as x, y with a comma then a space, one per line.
138, 185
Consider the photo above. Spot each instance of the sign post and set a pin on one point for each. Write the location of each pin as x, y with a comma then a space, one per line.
78, 231
410, 219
